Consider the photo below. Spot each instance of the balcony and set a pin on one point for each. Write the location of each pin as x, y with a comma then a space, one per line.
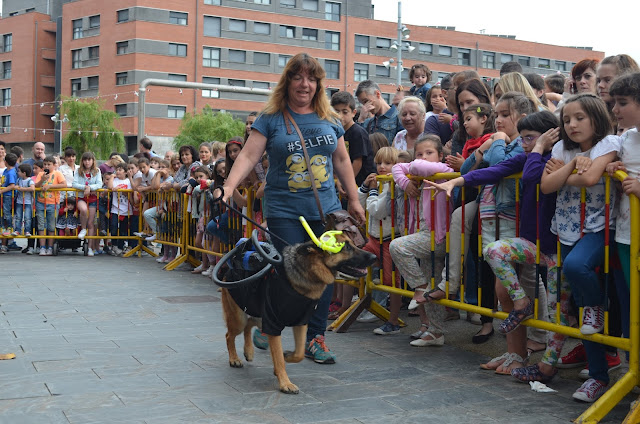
49, 54
48, 81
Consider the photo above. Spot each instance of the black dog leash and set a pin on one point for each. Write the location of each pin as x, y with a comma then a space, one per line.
266, 230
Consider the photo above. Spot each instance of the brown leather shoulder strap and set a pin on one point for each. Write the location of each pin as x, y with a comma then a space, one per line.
287, 120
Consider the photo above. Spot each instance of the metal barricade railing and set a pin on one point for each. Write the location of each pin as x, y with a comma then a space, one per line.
631, 344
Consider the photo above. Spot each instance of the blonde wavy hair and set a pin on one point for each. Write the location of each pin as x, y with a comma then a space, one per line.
300, 63
515, 81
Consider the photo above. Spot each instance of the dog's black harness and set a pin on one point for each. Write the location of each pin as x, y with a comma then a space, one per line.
270, 297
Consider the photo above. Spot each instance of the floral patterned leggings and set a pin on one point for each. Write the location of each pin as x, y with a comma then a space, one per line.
501, 256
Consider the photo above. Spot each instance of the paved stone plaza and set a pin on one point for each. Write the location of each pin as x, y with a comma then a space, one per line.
109, 340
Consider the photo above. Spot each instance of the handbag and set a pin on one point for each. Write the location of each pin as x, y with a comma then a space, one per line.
339, 220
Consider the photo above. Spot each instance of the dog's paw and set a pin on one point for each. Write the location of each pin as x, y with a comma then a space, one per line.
248, 355
290, 389
236, 363
290, 357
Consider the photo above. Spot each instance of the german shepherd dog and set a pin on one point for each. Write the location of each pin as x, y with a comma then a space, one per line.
308, 270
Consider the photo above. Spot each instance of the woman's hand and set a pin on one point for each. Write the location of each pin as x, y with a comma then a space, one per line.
355, 210
615, 166
87, 191
455, 162
553, 165
583, 163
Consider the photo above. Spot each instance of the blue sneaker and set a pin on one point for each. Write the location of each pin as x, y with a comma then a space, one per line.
387, 328
14, 246
319, 352
259, 339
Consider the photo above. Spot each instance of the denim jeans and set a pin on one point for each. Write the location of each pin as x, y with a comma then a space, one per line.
22, 212
7, 218
292, 231
579, 263
46, 215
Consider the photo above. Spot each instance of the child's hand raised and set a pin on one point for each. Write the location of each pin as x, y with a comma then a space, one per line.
615, 166
412, 189
631, 185
455, 162
444, 118
548, 139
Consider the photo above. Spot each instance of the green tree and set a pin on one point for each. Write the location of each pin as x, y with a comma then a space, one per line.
207, 126
91, 127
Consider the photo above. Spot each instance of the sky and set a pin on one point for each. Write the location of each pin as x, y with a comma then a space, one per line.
565, 23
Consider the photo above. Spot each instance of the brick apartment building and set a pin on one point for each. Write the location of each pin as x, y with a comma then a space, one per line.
89, 48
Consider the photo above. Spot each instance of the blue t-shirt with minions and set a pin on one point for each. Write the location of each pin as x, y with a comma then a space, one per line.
288, 193
9, 177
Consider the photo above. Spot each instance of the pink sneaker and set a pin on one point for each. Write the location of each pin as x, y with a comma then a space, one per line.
590, 391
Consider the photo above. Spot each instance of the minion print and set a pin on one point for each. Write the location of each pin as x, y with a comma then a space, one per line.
299, 178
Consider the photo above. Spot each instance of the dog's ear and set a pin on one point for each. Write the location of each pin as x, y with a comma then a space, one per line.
331, 222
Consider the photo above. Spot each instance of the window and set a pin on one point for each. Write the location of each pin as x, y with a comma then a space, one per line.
524, 61
178, 18
504, 58
177, 49
214, 94
5, 123
236, 82
262, 1
362, 44
283, 60
6, 97
544, 63
177, 77
444, 51
77, 28
122, 78
238, 56
123, 15
261, 84
382, 71
332, 40
383, 43
122, 47
310, 5
332, 68
121, 110
237, 25
425, 48
75, 59
332, 11
488, 60
76, 86
288, 3
6, 70
309, 34
176, 112
211, 26
94, 22
287, 31
561, 65
213, 2
7, 43
361, 72
261, 58
404, 75
464, 57
210, 57
93, 83
262, 28
94, 52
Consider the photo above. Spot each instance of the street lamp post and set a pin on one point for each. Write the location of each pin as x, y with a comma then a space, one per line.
398, 46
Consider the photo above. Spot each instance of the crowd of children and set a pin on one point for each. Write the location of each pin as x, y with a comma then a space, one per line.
561, 135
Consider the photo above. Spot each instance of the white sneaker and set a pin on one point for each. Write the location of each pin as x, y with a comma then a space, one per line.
592, 320
208, 272
50, 251
90, 252
198, 269
152, 237
43, 251
29, 251
82, 233
367, 316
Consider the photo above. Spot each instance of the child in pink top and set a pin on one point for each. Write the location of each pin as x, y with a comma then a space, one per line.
406, 250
